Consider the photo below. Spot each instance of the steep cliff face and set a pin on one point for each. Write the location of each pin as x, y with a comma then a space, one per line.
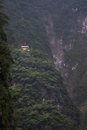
71, 58
70, 53
56, 44
54, 26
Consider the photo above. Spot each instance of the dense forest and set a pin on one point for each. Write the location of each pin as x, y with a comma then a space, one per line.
43, 79
6, 109
42, 100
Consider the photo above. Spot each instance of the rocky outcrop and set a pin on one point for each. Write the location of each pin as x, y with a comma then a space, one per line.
56, 44
68, 56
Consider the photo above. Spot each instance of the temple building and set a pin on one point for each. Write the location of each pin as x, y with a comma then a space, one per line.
25, 47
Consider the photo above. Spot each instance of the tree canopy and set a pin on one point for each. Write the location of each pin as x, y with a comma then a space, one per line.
5, 80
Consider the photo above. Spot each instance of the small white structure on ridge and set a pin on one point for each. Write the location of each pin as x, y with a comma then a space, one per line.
25, 47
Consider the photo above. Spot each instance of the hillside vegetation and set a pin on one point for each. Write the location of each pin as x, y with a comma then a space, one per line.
6, 103
32, 21
42, 100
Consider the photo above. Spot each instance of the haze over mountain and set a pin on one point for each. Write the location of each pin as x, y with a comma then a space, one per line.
57, 28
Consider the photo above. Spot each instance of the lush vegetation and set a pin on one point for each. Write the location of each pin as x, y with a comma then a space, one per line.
41, 97
27, 20
27, 25
6, 109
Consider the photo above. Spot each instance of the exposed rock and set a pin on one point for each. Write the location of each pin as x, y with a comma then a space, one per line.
56, 43
84, 26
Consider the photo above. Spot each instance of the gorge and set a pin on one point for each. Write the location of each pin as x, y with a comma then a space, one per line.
58, 29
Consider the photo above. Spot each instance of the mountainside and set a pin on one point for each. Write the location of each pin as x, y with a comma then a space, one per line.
59, 29
42, 100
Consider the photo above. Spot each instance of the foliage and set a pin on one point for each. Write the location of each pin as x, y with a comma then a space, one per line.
27, 25
27, 20
42, 100
5, 93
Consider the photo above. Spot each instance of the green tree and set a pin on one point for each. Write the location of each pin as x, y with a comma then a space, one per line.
41, 97
5, 62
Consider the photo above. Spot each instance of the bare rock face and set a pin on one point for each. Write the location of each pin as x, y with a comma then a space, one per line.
84, 26
56, 44
67, 54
